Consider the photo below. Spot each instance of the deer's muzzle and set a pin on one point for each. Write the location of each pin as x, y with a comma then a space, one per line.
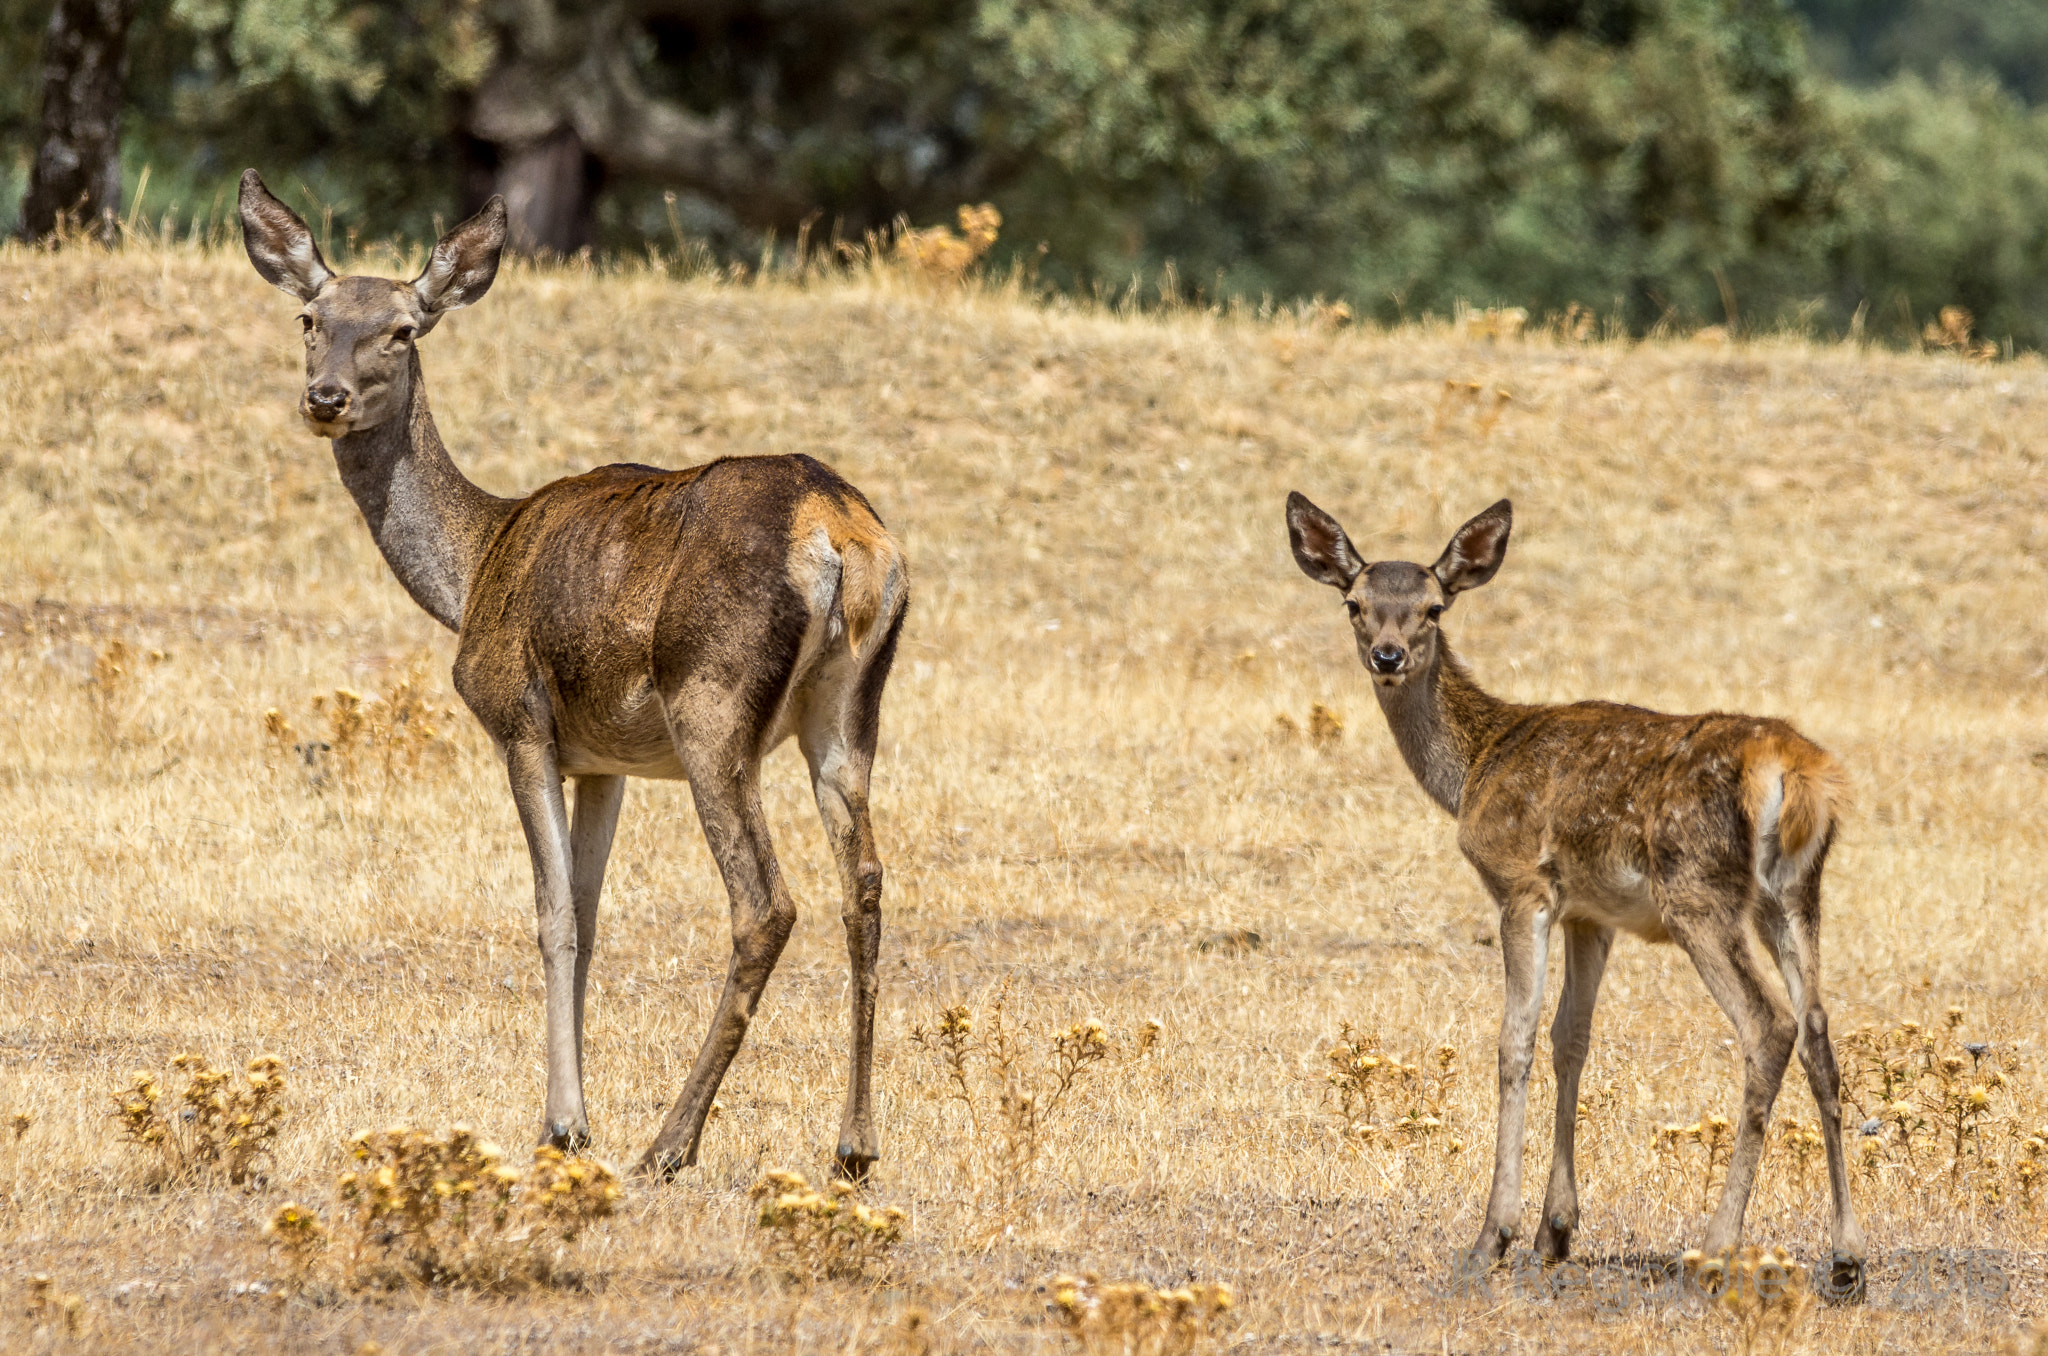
324, 404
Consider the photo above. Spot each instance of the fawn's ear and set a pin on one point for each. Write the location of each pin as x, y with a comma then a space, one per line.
278, 242
464, 262
1320, 546
1476, 551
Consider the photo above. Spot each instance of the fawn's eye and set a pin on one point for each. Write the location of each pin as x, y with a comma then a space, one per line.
305, 324
1351, 606
403, 334
1436, 610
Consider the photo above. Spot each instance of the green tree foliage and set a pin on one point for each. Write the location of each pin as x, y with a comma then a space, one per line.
1951, 205
1658, 158
1869, 40
353, 104
1410, 152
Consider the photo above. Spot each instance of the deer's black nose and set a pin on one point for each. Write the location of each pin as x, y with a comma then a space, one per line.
1387, 658
325, 401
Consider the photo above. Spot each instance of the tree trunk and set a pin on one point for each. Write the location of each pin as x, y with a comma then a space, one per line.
77, 170
549, 189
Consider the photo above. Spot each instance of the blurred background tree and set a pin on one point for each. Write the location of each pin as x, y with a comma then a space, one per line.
76, 169
1871, 40
1829, 163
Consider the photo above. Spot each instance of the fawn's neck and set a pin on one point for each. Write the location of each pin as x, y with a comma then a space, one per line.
1442, 720
430, 521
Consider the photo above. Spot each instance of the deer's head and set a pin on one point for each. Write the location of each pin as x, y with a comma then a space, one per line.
1395, 604
360, 331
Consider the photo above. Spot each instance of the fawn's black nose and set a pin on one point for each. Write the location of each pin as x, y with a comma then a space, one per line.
326, 402
1387, 658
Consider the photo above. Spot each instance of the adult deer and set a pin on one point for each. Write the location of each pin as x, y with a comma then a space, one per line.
1593, 816
625, 622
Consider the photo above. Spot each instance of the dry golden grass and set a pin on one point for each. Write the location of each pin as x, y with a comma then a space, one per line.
1130, 770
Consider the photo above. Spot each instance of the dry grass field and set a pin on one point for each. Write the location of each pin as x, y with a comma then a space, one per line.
1101, 795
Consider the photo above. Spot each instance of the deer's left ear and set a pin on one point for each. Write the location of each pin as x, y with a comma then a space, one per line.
1321, 547
1476, 551
464, 263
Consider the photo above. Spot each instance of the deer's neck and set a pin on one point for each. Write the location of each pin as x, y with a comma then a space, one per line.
1442, 721
430, 521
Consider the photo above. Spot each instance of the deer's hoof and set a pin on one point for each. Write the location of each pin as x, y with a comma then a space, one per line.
1846, 1283
568, 1136
1493, 1242
1554, 1239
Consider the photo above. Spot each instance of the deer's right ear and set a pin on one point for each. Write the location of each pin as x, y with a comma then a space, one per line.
464, 263
278, 242
1320, 546
1476, 550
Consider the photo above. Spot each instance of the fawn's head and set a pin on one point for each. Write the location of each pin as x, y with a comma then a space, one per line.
360, 331
1395, 604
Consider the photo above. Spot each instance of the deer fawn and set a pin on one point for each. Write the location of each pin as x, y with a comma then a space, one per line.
626, 622
1699, 830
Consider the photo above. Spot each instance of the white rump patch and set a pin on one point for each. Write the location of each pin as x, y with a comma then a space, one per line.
814, 572
815, 569
1774, 870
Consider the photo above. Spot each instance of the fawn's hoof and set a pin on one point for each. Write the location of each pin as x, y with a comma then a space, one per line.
660, 1167
853, 1164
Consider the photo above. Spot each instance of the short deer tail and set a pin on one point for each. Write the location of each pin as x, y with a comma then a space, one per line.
1793, 793
872, 589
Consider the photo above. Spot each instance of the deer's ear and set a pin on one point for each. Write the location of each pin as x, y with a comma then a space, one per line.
278, 242
1320, 546
464, 262
1476, 551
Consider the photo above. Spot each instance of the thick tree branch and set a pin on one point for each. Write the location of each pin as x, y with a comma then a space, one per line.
563, 90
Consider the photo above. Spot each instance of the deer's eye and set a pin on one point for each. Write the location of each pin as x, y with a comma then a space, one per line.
1436, 610
1351, 606
305, 324
403, 334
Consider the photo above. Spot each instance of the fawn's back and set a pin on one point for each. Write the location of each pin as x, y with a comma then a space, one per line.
1627, 812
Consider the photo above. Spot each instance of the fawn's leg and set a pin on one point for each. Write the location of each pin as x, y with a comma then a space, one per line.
1794, 934
1524, 950
1585, 961
1715, 934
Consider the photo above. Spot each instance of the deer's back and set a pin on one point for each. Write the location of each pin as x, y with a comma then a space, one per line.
605, 591
1611, 802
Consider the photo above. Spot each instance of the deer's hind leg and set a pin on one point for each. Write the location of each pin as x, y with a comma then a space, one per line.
1792, 928
1713, 930
590, 845
838, 735
720, 754
1585, 962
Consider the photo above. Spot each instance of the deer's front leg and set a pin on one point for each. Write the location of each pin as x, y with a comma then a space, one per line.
1524, 950
537, 790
